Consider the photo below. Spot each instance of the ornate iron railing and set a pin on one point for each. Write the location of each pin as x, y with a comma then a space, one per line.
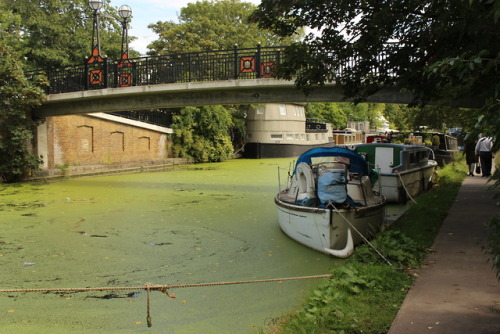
259, 62
184, 67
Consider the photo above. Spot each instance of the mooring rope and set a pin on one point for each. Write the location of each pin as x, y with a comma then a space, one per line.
363, 237
404, 186
163, 288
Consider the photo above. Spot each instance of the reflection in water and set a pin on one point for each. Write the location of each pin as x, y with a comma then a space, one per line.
203, 223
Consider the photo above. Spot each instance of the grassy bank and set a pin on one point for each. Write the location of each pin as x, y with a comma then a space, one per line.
365, 294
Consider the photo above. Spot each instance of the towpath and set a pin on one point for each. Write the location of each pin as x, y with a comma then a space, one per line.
457, 291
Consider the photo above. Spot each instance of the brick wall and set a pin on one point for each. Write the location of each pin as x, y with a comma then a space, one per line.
78, 140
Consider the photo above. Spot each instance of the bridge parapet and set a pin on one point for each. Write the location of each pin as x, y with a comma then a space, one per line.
172, 68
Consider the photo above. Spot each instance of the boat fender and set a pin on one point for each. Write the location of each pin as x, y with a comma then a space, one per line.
305, 180
348, 249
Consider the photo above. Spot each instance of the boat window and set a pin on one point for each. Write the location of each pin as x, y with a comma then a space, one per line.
290, 136
323, 165
260, 111
422, 156
276, 136
413, 157
282, 109
297, 136
323, 160
307, 137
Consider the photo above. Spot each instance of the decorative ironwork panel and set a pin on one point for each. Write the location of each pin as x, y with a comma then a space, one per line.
247, 64
124, 70
267, 69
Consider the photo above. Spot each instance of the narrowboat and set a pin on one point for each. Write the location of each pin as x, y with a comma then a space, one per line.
403, 171
443, 146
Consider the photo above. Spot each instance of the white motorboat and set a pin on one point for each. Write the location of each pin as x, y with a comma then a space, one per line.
329, 204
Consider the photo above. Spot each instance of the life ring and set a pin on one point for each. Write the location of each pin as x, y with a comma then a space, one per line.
304, 180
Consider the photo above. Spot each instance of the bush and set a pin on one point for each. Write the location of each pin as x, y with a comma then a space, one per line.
397, 248
493, 243
339, 304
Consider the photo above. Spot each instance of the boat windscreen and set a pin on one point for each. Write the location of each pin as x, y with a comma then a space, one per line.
357, 162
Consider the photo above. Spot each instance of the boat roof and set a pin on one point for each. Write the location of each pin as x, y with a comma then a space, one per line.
357, 162
411, 147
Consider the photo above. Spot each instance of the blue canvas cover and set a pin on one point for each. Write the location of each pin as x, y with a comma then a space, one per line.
332, 187
357, 162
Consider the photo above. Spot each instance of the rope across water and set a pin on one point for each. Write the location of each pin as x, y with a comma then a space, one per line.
163, 288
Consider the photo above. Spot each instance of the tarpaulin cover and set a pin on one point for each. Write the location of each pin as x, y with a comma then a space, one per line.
332, 187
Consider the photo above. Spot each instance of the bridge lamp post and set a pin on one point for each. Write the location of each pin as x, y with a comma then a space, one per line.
125, 13
96, 5
125, 68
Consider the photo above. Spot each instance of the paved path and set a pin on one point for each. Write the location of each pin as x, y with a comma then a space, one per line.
457, 291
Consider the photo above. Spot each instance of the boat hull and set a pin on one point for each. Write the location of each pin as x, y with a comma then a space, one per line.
273, 150
329, 231
399, 187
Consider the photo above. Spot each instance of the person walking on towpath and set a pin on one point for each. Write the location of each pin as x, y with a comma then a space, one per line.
483, 151
470, 155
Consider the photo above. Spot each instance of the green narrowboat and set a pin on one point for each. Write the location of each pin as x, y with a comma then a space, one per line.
403, 171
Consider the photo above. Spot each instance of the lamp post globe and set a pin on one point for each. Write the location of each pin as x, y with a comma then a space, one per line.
125, 12
95, 4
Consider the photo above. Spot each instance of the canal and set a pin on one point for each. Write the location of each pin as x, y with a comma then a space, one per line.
189, 224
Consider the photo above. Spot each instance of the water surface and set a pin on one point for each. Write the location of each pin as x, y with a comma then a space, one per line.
191, 224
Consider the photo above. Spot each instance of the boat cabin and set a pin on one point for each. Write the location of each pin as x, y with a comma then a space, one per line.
444, 146
387, 157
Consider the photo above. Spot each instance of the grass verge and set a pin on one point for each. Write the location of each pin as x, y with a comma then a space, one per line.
365, 294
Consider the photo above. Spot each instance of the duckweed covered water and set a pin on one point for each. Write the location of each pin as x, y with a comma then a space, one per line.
192, 224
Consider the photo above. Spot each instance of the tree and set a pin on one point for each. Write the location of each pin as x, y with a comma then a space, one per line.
397, 116
330, 112
55, 33
447, 50
441, 117
202, 133
212, 25
338, 114
18, 96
